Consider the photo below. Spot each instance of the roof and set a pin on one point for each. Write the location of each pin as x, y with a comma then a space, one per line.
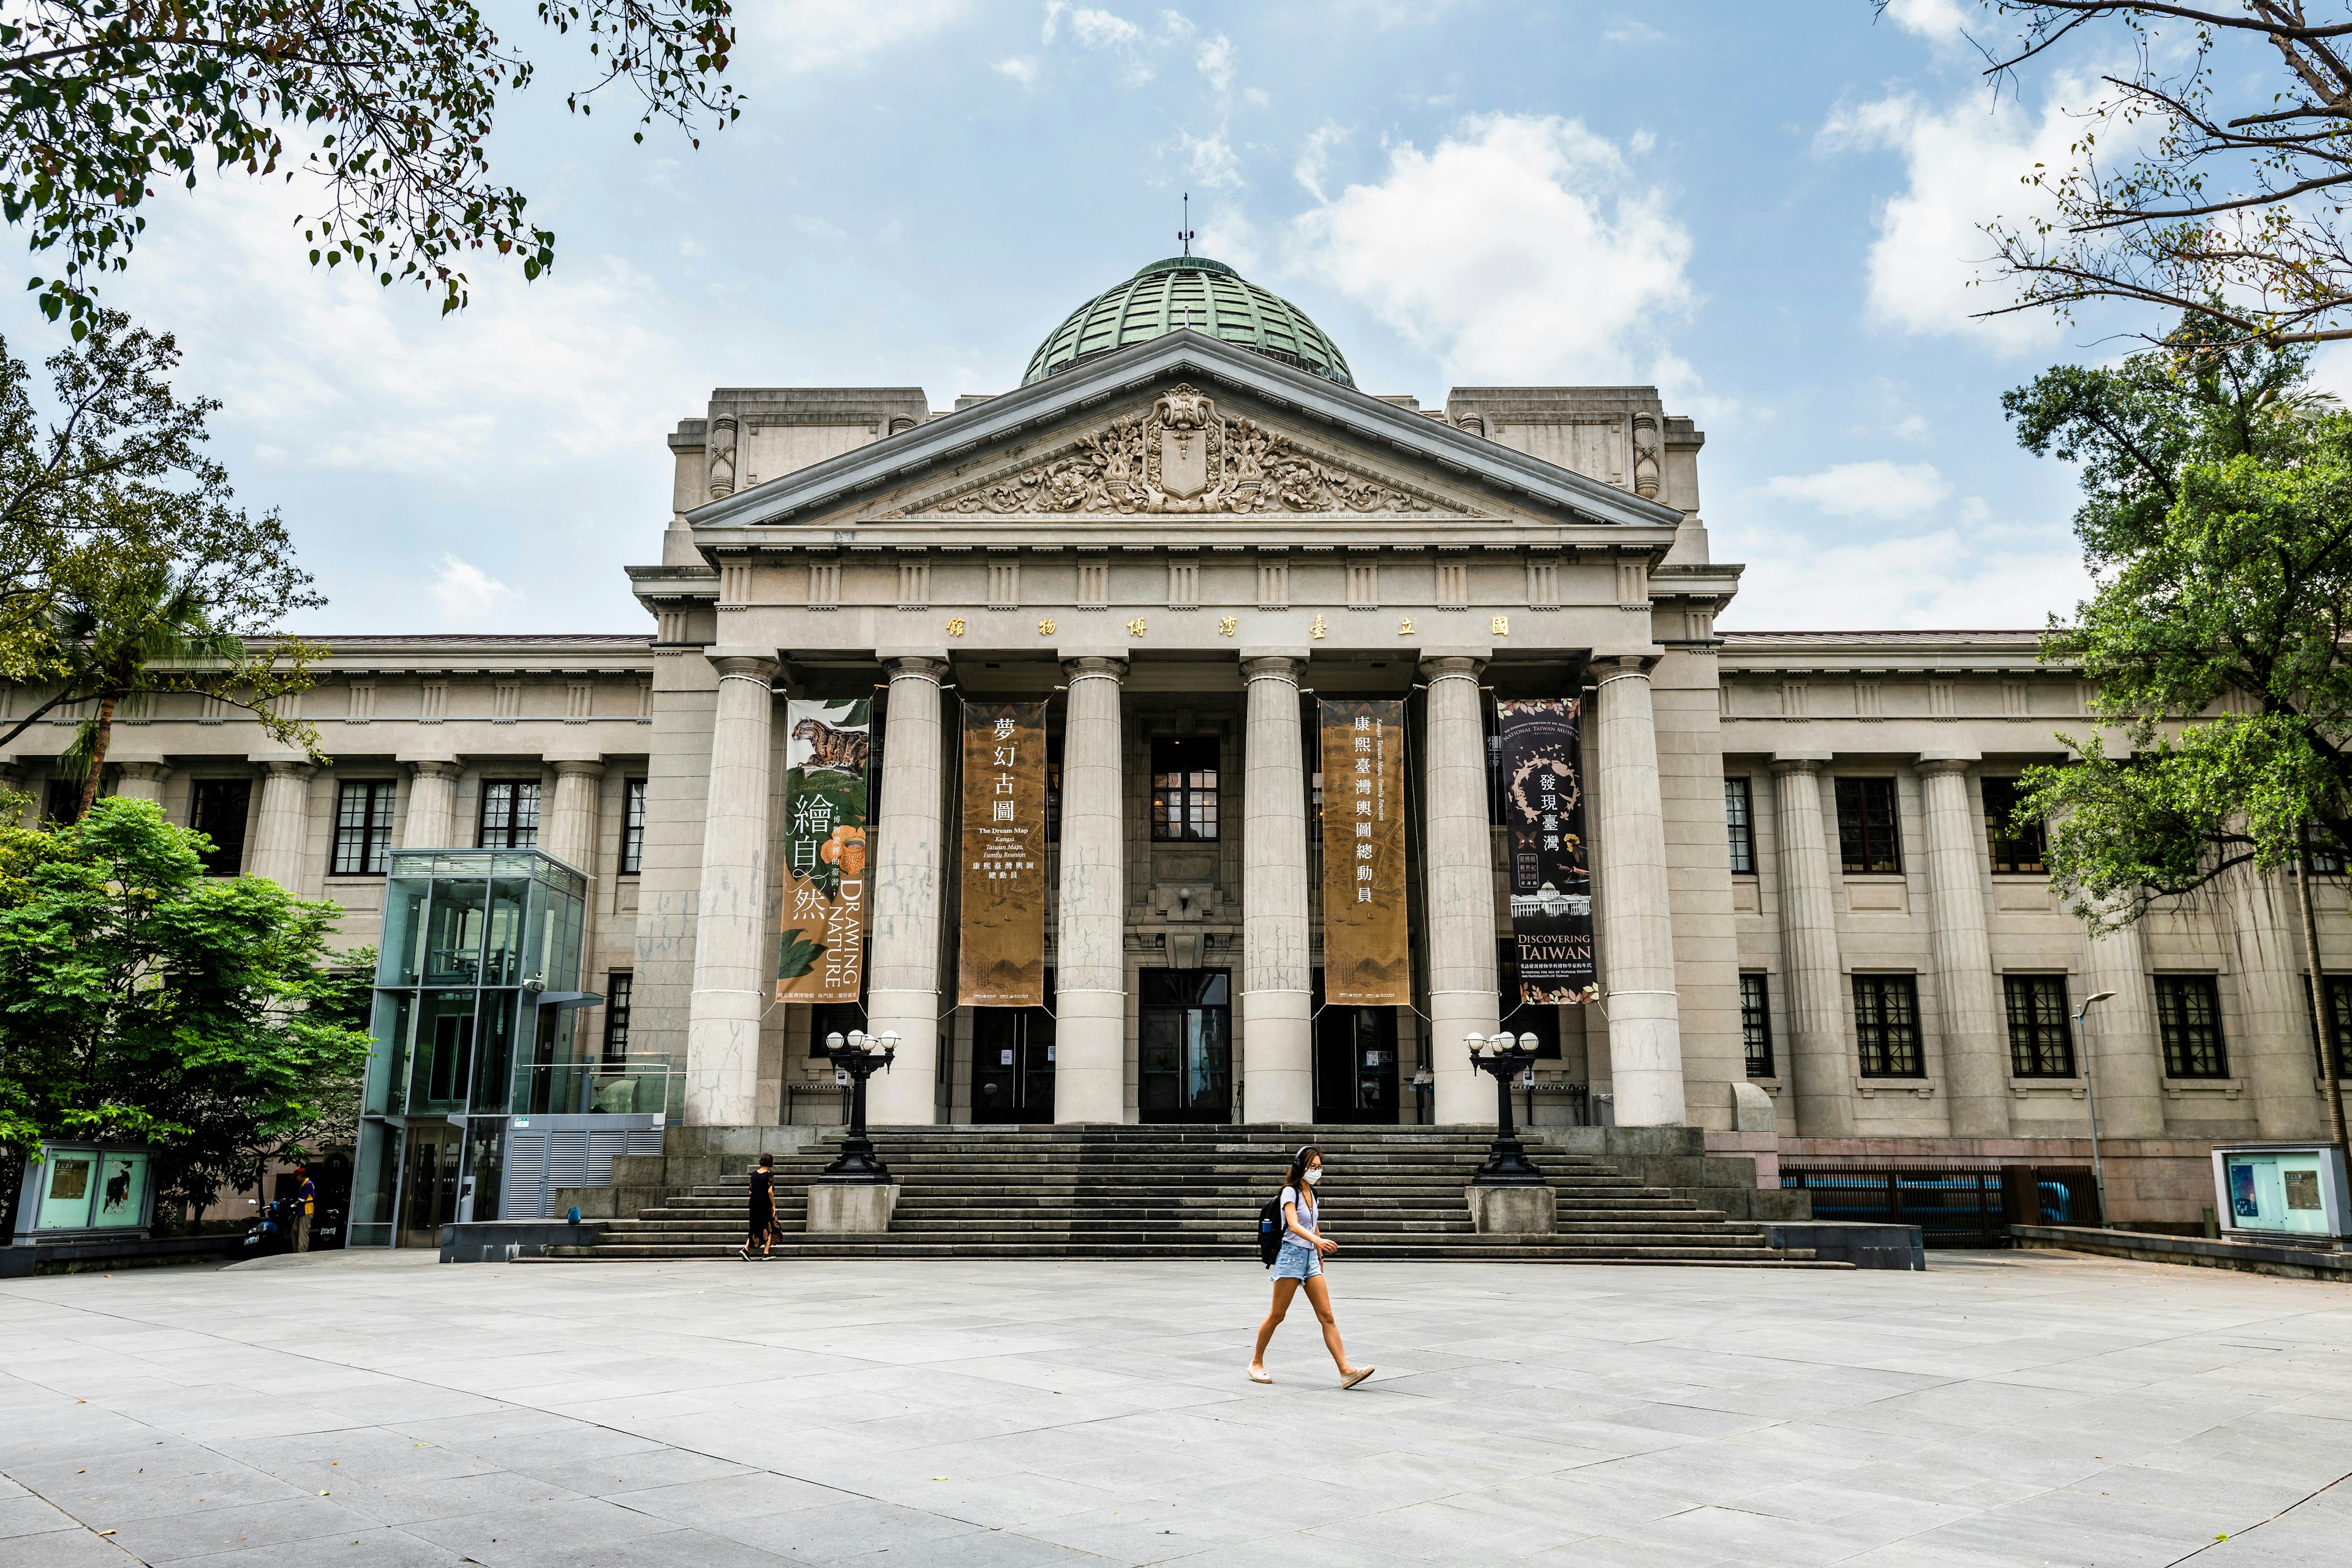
1191, 291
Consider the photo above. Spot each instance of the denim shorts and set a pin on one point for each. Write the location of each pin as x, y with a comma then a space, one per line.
1296, 1260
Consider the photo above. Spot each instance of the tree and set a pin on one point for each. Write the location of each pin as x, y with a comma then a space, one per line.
125, 569
2210, 177
390, 104
2218, 518
142, 1001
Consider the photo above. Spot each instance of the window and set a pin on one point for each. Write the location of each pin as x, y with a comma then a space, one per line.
1053, 789
2188, 1017
1867, 825
1184, 787
633, 826
616, 1015
2013, 854
2339, 1018
362, 827
827, 1018
1739, 818
62, 803
1887, 1025
1756, 1024
2040, 1041
510, 814
217, 809
2326, 858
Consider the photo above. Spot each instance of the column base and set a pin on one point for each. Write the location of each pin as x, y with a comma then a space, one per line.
1277, 1056
722, 1062
1461, 1092
907, 1094
1645, 1059
1089, 1055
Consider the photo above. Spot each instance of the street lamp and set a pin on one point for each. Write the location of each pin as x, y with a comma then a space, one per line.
2091, 1100
1506, 1161
857, 1056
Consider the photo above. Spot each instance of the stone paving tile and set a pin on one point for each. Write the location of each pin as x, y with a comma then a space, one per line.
60, 1549
373, 1548
171, 1537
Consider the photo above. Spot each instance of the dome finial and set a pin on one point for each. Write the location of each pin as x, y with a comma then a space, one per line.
1185, 233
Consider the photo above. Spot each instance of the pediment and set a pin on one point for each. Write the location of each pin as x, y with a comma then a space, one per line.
1181, 456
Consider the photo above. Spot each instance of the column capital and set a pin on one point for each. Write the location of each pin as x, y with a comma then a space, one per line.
288, 770
916, 666
1273, 667
1448, 666
151, 772
1610, 665
571, 767
758, 663
1092, 665
1934, 767
1808, 767
434, 768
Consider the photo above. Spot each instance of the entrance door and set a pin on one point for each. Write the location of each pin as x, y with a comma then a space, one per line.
1187, 1067
1012, 1064
1355, 1063
428, 1195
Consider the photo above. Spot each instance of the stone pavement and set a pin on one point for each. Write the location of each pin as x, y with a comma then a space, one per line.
2002, 1408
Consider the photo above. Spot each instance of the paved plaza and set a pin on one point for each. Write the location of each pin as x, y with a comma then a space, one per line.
2002, 1408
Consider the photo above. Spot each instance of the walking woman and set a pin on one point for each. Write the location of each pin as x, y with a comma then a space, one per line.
763, 1208
1300, 1262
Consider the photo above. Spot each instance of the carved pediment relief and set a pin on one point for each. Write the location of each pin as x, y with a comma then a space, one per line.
1182, 458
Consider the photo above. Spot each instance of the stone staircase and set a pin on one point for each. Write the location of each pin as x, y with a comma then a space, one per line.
1167, 1192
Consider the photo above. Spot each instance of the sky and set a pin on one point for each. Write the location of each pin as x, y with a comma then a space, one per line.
1768, 212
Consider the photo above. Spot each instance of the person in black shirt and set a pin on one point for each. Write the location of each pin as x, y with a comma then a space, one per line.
762, 1229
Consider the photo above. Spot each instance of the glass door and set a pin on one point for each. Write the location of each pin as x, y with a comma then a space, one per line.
1186, 1067
1012, 1064
428, 1196
1355, 1062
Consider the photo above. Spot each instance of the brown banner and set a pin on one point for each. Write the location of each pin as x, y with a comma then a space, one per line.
1001, 958
822, 956
1364, 960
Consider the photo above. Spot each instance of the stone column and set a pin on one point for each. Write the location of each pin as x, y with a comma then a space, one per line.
1090, 937
279, 830
1976, 1032
568, 830
1645, 1048
903, 985
2270, 1046
1817, 996
730, 967
432, 822
141, 780
1277, 1033
2126, 1049
1461, 882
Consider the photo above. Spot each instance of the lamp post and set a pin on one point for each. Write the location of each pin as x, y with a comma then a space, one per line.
1507, 1162
2091, 1100
857, 1057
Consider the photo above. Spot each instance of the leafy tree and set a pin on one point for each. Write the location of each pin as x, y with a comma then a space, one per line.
142, 1001
2217, 518
390, 104
125, 568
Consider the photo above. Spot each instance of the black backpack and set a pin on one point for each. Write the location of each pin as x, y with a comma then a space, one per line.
1270, 1231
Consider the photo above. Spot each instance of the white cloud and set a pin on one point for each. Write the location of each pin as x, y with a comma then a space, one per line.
817, 229
1945, 578
1101, 30
784, 39
1631, 32
1216, 61
1019, 68
1943, 21
1963, 163
1210, 159
1521, 247
1876, 489
468, 595
1315, 158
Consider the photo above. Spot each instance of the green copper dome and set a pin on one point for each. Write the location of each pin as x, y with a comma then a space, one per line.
1207, 296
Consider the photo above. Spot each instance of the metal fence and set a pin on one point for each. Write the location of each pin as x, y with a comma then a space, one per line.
1951, 1206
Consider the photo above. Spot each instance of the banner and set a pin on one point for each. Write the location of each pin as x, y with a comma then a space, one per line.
1365, 963
1000, 956
1542, 763
823, 957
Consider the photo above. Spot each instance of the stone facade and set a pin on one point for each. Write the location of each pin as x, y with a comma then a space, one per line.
1041, 545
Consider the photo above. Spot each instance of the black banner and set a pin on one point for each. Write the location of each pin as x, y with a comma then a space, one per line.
1542, 766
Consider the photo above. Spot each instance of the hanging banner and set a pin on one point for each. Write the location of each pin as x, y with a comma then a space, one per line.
823, 957
1000, 956
1542, 763
1365, 962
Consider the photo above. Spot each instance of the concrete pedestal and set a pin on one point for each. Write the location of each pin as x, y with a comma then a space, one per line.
855, 1207
1514, 1211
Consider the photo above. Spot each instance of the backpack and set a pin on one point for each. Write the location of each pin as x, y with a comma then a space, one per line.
1270, 1230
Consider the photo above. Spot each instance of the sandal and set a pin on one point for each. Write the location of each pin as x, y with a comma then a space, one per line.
1356, 1376
1259, 1374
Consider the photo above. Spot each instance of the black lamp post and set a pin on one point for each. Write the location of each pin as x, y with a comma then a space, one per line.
1507, 1162
857, 1057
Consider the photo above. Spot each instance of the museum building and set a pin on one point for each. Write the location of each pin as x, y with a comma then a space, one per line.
1184, 529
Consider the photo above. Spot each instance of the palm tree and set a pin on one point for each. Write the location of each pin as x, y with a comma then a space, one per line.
110, 639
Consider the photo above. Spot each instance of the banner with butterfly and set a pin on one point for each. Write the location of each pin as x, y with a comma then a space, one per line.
1542, 763
823, 953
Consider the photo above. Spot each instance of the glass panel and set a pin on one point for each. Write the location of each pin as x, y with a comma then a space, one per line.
428, 1187
502, 953
374, 1174
453, 944
497, 1026
387, 1066
486, 1142
67, 1182
121, 1191
442, 1059
402, 953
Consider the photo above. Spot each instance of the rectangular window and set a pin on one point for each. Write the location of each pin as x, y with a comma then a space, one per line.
2041, 1038
1740, 819
616, 1015
1053, 789
217, 809
62, 803
1886, 1025
1184, 788
362, 827
1756, 1024
510, 814
2327, 858
2188, 1017
1866, 826
2339, 1016
633, 826
2013, 854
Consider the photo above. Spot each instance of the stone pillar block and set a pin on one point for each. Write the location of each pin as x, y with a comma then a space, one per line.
1976, 1032
1090, 963
730, 958
1820, 1061
903, 991
1514, 1211
855, 1207
1278, 1032
282, 825
1645, 1048
432, 806
1460, 877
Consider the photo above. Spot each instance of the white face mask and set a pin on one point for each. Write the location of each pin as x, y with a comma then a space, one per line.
1315, 1176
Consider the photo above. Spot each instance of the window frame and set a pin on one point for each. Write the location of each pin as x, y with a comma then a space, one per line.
620, 985
1739, 822
2033, 1036
2002, 849
1756, 1023
631, 856
510, 829
232, 855
1859, 814
362, 848
1902, 1051
1196, 817
2172, 1026
2338, 989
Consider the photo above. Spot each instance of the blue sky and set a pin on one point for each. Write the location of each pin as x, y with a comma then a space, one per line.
1767, 210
